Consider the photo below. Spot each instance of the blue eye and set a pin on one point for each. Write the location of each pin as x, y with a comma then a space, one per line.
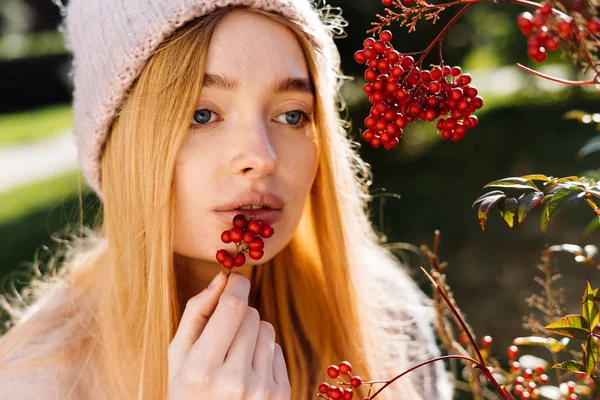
202, 117
294, 118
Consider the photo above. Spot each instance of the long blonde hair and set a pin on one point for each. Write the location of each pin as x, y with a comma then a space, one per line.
122, 286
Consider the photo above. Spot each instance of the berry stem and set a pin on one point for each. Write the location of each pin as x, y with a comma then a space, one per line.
419, 366
558, 80
441, 35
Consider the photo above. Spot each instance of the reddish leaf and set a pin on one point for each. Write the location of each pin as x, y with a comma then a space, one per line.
527, 202
485, 208
485, 196
573, 326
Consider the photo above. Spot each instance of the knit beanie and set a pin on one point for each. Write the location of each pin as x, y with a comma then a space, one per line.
112, 40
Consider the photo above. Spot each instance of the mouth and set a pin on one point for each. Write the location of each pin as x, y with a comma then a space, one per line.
265, 214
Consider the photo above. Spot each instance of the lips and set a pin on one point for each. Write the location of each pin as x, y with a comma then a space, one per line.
268, 215
271, 213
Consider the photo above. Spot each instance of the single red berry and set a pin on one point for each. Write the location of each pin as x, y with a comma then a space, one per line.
240, 221
464, 339
348, 394
225, 237
345, 367
236, 234
239, 260
486, 341
526, 395
407, 62
334, 392
593, 25
455, 71
380, 46
359, 57
571, 387
369, 53
546, 9
370, 75
355, 381
393, 57
368, 135
539, 370
527, 374
385, 36
229, 262
222, 255
256, 254
333, 371
518, 390
248, 237
255, 226
376, 142
257, 244
512, 352
564, 29
323, 387
387, 3
515, 367
477, 102
267, 231
552, 44
543, 379
368, 42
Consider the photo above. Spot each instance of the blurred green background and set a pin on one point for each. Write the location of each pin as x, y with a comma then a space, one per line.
520, 132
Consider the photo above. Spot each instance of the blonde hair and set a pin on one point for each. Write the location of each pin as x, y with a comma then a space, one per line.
121, 277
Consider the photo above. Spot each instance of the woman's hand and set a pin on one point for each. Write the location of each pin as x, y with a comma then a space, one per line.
222, 350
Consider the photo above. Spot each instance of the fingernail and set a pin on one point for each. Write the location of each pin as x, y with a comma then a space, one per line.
216, 280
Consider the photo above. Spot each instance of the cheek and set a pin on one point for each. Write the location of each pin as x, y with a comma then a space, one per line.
192, 199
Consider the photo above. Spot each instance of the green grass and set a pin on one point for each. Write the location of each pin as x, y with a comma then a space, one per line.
37, 195
29, 126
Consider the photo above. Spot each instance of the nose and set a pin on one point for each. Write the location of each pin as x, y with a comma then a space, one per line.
254, 153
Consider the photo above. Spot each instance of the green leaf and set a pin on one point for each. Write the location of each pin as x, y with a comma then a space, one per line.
536, 177
527, 202
590, 355
486, 206
570, 366
555, 346
513, 183
573, 326
508, 209
568, 179
589, 147
589, 308
556, 203
492, 193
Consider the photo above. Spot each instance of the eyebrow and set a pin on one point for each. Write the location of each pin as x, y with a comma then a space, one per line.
288, 84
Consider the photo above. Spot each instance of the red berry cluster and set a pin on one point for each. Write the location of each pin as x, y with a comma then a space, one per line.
401, 92
548, 31
244, 231
332, 392
525, 380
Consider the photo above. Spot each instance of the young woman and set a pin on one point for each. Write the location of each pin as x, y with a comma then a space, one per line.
185, 112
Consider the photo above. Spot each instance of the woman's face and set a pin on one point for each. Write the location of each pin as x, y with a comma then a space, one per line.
251, 140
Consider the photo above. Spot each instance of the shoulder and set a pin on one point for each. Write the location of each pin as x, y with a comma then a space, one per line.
401, 318
36, 355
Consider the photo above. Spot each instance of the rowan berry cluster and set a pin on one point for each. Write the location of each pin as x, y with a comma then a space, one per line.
341, 392
548, 32
526, 380
401, 92
247, 232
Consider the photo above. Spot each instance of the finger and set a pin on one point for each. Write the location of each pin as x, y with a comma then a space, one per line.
195, 316
280, 373
264, 352
213, 344
242, 348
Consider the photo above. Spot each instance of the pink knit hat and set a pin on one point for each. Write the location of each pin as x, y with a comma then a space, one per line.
111, 41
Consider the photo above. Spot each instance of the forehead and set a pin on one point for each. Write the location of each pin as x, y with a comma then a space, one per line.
255, 49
